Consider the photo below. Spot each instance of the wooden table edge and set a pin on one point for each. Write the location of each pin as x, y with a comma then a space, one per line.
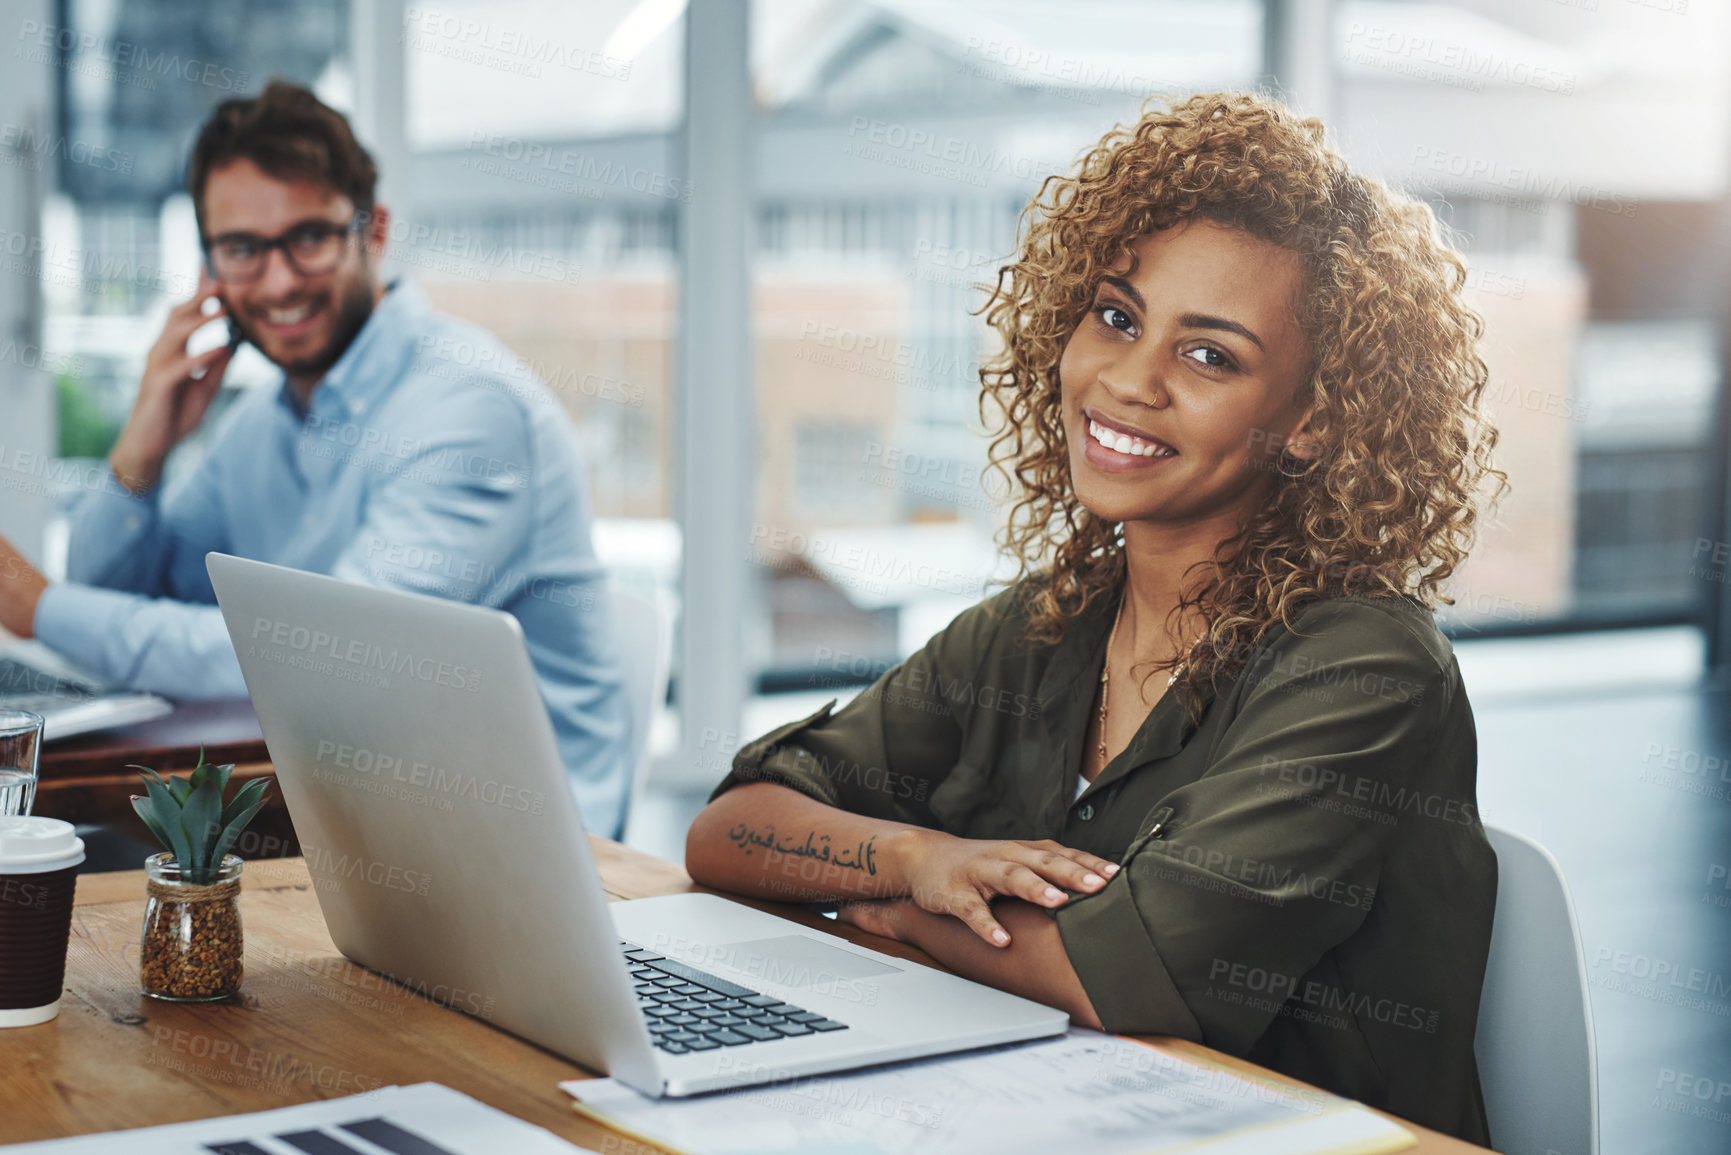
128, 886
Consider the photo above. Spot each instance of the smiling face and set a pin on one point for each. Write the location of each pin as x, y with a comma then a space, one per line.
302, 323
1179, 384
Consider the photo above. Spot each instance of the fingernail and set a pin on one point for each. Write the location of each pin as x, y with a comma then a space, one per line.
1111, 869
1093, 880
1000, 937
1053, 894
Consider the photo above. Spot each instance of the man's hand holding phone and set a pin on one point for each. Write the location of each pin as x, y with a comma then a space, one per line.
174, 393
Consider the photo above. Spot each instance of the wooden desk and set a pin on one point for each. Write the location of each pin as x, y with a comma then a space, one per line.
308, 1024
227, 730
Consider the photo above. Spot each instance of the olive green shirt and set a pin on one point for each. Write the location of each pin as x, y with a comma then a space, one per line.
1306, 882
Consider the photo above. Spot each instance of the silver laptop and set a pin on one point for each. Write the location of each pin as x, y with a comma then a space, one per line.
419, 766
71, 700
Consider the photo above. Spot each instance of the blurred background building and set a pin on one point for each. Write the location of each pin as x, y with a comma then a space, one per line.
1577, 150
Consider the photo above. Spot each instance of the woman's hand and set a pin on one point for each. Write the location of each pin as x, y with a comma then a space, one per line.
879, 916
961, 877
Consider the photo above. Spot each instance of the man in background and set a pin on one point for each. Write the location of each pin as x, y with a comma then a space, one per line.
375, 461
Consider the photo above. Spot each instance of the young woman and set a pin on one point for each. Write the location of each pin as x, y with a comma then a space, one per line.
1206, 768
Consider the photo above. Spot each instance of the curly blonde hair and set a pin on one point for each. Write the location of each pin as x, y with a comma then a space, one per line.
1387, 508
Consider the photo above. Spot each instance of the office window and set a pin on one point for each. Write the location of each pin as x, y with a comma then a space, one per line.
899, 144
831, 474
620, 447
1647, 390
896, 146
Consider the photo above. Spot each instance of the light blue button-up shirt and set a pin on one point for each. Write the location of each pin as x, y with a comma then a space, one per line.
429, 460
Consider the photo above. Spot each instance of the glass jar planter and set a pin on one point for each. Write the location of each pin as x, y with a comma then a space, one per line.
192, 941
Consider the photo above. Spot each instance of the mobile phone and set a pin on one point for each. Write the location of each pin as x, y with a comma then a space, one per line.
216, 331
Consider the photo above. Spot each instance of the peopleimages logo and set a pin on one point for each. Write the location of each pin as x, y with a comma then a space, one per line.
357, 652
377, 767
328, 867
94, 55
28, 148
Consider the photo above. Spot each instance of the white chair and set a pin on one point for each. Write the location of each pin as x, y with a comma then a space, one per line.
644, 631
1535, 1031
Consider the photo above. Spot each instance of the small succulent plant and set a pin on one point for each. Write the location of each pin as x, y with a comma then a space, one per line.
188, 816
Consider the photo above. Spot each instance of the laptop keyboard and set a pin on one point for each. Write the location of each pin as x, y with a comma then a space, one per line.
692, 1010
24, 687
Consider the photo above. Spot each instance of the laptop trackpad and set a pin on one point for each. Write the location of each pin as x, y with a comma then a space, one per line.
795, 960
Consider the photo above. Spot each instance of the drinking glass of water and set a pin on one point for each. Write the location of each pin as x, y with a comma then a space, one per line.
20, 742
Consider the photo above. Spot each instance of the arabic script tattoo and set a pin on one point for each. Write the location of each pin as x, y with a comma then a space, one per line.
863, 855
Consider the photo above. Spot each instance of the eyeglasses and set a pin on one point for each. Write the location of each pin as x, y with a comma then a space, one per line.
313, 248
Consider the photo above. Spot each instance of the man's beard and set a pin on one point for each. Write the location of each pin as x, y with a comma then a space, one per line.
352, 308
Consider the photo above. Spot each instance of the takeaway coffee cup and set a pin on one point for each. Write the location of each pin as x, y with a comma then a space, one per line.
39, 860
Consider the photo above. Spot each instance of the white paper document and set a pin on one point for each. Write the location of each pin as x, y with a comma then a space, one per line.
425, 1119
1083, 1091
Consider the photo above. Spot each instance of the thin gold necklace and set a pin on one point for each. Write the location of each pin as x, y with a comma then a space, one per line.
1105, 676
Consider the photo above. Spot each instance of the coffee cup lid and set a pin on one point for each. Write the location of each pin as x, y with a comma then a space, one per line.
26, 840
